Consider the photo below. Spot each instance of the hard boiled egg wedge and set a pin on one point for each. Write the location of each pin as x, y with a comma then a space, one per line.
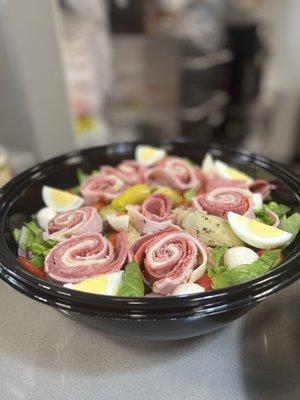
257, 234
104, 284
222, 170
60, 200
148, 155
118, 222
208, 165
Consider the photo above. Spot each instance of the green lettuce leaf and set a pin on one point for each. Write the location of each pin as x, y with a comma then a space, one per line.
38, 261
35, 229
81, 175
279, 209
212, 272
218, 254
132, 283
189, 194
292, 225
31, 237
245, 273
76, 189
264, 217
26, 237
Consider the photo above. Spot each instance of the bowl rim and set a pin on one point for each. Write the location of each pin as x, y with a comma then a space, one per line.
212, 302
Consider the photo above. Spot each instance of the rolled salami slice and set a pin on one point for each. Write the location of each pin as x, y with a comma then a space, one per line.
132, 172
153, 215
216, 183
86, 256
169, 258
176, 173
105, 186
74, 223
261, 186
222, 200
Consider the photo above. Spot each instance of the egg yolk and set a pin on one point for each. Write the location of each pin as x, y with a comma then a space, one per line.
263, 229
60, 198
235, 174
94, 285
148, 152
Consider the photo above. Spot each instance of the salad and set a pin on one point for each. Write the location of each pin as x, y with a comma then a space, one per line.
158, 225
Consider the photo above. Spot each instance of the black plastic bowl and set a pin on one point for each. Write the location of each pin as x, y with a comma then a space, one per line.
146, 318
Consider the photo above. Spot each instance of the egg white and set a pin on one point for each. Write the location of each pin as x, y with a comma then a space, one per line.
240, 226
118, 222
222, 170
157, 155
47, 192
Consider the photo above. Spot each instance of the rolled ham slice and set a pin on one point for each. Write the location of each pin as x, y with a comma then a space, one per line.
222, 200
132, 172
215, 183
105, 186
176, 173
153, 215
169, 258
261, 186
86, 256
74, 223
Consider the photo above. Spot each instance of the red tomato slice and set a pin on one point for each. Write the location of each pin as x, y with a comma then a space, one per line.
32, 268
205, 282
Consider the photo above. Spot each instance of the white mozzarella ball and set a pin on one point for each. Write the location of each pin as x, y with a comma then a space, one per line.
257, 201
44, 215
187, 288
240, 255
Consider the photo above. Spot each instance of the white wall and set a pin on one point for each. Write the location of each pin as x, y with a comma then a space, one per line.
34, 110
282, 77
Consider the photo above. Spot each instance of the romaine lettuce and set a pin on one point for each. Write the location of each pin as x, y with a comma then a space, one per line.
291, 224
245, 273
132, 283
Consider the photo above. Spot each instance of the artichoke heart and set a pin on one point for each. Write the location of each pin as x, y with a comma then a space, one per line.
214, 231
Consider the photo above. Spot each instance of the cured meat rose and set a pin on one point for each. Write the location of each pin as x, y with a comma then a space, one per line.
261, 186
132, 172
74, 223
105, 186
215, 183
86, 256
168, 258
220, 201
176, 173
153, 215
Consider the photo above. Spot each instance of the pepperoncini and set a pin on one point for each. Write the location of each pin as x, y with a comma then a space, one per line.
134, 195
176, 198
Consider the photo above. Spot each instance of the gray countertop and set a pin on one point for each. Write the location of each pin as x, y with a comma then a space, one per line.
44, 355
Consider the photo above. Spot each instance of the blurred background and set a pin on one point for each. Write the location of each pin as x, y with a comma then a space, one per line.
79, 73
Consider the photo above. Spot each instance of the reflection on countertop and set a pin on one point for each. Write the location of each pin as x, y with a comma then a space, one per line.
45, 355
270, 350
